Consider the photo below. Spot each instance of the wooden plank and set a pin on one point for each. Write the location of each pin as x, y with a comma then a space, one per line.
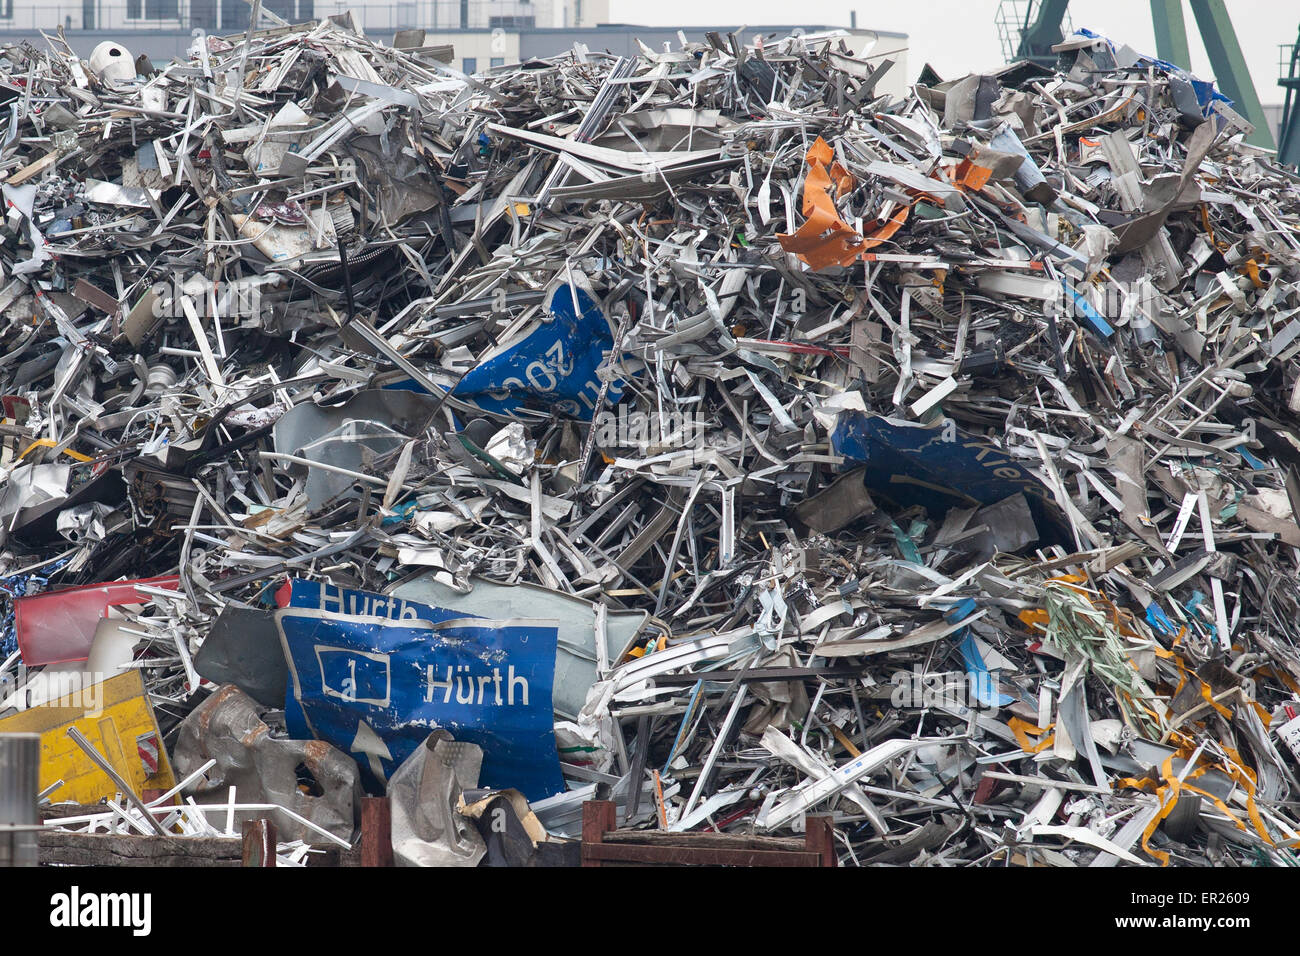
819, 836
593, 854
714, 841
376, 832
70, 848
57, 811
31, 169
602, 845
598, 818
259, 843
760, 674
331, 854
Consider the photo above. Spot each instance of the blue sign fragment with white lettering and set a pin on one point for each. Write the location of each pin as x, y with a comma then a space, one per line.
300, 592
553, 366
940, 468
375, 675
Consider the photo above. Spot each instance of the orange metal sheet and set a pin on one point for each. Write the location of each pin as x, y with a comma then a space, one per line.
825, 239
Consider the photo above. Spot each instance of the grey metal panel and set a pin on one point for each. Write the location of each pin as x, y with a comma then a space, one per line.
20, 759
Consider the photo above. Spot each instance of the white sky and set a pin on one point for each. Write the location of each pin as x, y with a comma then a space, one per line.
958, 36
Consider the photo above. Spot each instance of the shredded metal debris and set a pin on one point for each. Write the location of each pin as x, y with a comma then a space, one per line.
698, 430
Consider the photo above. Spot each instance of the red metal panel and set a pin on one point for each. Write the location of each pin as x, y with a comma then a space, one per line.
59, 626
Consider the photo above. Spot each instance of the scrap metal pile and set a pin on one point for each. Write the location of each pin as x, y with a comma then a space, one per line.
700, 430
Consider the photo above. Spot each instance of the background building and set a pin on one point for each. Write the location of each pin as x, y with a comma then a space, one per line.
229, 15
484, 34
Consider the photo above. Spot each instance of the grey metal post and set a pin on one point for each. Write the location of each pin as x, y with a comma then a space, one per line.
20, 760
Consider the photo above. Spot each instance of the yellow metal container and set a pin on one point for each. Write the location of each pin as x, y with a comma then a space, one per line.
116, 717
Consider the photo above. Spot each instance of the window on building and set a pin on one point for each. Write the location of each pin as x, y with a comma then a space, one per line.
469, 64
152, 9
498, 61
234, 15
281, 8
6, 9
